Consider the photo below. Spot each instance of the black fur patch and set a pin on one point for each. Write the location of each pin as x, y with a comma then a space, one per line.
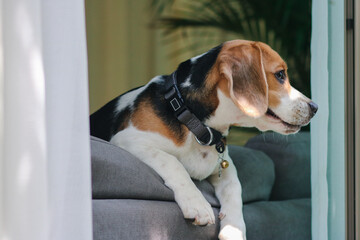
102, 121
121, 121
183, 71
198, 70
202, 66
104, 124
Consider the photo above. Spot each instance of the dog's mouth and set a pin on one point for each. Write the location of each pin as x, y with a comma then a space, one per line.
272, 115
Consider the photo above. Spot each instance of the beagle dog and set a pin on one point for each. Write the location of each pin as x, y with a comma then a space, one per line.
176, 123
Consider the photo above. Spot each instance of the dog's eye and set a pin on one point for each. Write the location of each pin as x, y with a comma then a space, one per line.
280, 76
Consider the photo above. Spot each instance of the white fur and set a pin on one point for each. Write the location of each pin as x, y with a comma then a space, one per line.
194, 59
228, 190
192, 160
187, 82
293, 109
228, 114
178, 164
188, 161
166, 159
127, 100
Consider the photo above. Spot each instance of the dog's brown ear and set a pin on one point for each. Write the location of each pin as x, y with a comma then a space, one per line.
242, 66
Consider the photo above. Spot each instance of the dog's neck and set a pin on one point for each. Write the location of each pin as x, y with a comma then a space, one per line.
213, 107
226, 114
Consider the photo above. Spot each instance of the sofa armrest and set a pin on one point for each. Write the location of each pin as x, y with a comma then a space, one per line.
117, 174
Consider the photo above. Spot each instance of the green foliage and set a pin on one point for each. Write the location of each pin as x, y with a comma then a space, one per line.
283, 24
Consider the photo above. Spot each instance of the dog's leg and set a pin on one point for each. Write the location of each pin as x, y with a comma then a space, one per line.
189, 198
228, 191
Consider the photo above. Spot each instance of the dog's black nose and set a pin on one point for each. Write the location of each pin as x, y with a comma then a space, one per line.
313, 108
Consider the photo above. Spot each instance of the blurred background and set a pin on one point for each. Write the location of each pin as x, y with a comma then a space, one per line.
130, 42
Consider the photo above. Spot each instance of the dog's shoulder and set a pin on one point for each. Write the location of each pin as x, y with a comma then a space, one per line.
151, 112
144, 107
114, 115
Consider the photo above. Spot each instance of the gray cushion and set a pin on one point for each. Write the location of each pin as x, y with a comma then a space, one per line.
131, 201
255, 171
280, 220
127, 219
117, 174
291, 155
144, 219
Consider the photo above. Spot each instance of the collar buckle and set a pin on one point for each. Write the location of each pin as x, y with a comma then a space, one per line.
210, 139
175, 101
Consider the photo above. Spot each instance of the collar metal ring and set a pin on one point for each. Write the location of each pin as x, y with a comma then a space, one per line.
209, 142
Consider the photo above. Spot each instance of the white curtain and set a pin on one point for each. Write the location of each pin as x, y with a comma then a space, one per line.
45, 184
319, 125
328, 127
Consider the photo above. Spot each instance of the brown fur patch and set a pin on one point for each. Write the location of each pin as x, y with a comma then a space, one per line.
241, 66
223, 86
274, 99
145, 119
272, 63
216, 80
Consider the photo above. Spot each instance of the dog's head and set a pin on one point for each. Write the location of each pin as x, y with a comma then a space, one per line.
255, 77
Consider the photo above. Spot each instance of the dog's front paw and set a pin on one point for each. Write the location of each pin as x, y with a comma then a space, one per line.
230, 232
197, 208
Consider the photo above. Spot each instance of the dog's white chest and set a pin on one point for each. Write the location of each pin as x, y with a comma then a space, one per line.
200, 162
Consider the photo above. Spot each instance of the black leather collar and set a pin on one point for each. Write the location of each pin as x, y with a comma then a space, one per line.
204, 135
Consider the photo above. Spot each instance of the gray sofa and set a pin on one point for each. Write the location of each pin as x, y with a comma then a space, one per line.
131, 202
